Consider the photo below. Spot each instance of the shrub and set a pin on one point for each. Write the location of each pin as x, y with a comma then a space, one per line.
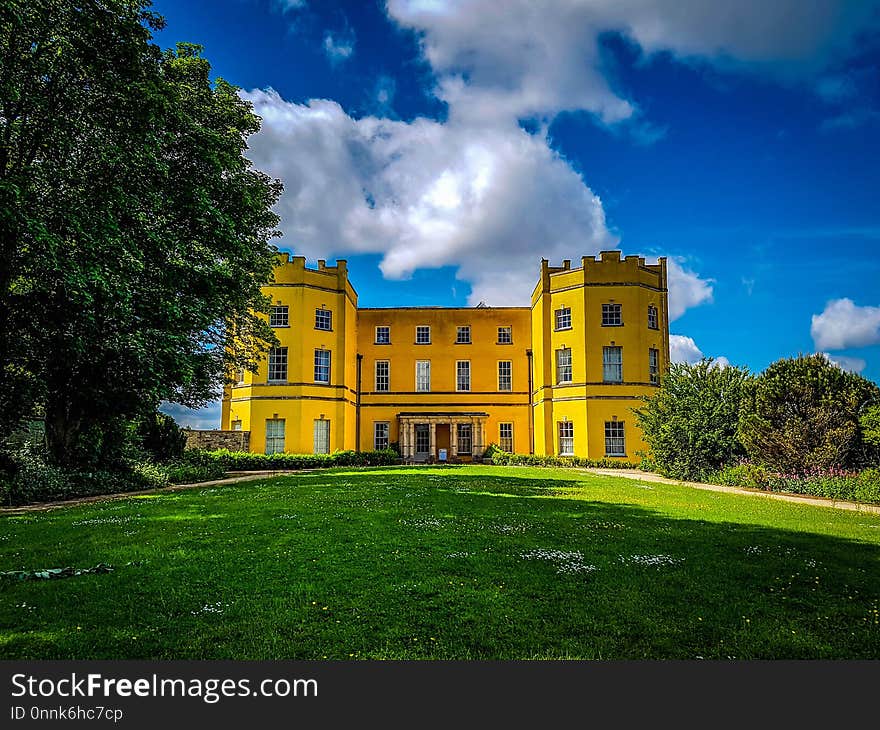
161, 437
246, 461
854, 486
503, 458
690, 423
804, 415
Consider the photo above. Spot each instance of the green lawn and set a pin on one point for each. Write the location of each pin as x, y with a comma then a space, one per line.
451, 563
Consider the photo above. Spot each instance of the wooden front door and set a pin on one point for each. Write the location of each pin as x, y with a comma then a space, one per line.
442, 436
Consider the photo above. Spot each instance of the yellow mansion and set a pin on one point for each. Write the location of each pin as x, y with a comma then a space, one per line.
558, 377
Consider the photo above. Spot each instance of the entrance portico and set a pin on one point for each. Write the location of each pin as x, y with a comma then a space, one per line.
422, 435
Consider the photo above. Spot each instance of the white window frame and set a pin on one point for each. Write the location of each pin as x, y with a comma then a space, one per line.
277, 366
423, 334
279, 316
615, 438
562, 318
382, 380
423, 379
563, 368
322, 317
565, 429
275, 435
236, 425
463, 334
653, 317
381, 435
612, 315
464, 439
462, 376
654, 365
505, 335
505, 379
320, 366
612, 364
321, 436
505, 440
387, 330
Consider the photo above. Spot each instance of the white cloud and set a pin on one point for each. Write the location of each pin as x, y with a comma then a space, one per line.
684, 349
338, 48
843, 324
200, 418
686, 288
491, 200
536, 59
284, 6
851, 364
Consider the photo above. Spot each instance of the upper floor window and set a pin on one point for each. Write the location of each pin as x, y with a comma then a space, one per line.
463, 375
654, 365
563, 365
239, 376
652, 317
563, 318
612, 364
566, 438
611, 316
505, 335
323, 319
383, 335
277, 364
423, 335
615, 439
322, 366
463, 335
505, 376
383, 373
279, 316
423, 376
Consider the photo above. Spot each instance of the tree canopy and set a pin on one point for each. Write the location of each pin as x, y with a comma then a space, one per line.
805, 414
691, 421
135, 234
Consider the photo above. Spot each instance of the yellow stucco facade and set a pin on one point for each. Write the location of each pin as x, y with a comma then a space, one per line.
558, 377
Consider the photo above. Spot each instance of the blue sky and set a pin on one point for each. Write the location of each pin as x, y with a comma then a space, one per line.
444, 148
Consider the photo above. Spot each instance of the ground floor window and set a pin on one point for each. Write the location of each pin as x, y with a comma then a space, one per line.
615, 442
274, 435
322, 436
423, 438
566, 438
465, 438
380, 435
236, 425
505, 436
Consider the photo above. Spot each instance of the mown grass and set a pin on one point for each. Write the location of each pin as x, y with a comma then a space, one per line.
443, 563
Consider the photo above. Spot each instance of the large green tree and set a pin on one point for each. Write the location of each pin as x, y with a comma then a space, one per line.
690, 423
805, 414
135, 234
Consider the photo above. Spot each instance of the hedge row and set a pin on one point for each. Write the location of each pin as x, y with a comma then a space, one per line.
246, 461
503, 458
863, 486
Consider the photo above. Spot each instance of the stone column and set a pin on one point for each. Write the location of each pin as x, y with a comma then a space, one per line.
453, 438
477, 435
433, 440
